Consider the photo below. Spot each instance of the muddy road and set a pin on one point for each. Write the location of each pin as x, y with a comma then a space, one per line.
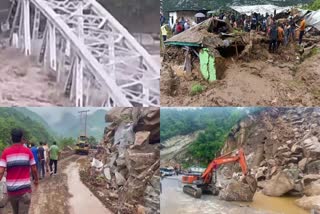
64, 193
273, 81
173, 200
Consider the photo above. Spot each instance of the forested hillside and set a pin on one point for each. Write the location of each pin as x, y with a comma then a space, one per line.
217, 123
11, 118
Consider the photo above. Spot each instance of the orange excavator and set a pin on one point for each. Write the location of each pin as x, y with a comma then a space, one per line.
195, 185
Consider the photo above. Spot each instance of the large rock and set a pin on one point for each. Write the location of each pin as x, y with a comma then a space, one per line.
142, 137
279, 184
107, 173
311, 147
149, 120
137, 161
308, 203
119, 179
236, 191
312, 189
313, 167
115, 114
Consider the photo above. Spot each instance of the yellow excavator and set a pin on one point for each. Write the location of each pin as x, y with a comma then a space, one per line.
82, 146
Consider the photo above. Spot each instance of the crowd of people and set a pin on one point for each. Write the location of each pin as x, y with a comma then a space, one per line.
280, 32
18, 161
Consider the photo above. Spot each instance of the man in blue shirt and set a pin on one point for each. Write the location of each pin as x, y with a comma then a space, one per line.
34, 151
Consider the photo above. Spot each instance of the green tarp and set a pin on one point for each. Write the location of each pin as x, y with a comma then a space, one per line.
207, 65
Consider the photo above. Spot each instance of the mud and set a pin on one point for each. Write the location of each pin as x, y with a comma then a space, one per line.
173, 200
63, 193
264, 80
23, 83
82, 201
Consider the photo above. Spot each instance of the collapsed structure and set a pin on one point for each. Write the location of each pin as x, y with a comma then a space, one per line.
124, 172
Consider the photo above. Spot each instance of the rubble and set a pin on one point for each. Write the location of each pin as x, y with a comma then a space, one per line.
236, 191
233, 66
283, 152
126, 169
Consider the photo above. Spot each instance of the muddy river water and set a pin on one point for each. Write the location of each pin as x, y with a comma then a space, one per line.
173, 200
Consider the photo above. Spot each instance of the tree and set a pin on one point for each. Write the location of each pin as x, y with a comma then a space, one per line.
64, 142
92, 140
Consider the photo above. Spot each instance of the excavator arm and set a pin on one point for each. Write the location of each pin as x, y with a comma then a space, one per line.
195, 184
227, 158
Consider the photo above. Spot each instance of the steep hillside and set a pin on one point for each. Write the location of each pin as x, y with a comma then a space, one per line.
11, 118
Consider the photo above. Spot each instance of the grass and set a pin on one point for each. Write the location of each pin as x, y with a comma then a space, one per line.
197, 88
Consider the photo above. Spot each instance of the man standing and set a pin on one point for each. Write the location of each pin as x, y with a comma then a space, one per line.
46, 156
34, 151
41, 160
302, 28
164, 32
273, 35
17, 159
54, 153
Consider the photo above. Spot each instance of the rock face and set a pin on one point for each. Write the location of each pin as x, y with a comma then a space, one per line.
236, 191
283, 151
130, 155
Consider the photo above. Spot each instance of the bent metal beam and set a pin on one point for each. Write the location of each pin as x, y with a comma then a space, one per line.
95, 59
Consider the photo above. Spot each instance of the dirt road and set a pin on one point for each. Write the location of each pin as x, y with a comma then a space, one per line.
173, 200
23, 83
64, 193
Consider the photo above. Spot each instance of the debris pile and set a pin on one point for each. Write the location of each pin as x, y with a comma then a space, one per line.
213, 64
283, 152
124, 172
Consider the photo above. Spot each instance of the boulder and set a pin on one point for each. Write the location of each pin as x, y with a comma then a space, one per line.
236, 191
302, 163
313, 167
116, 114
120, 179
308, 203
311, 147
312, 189
279, 184
142, 137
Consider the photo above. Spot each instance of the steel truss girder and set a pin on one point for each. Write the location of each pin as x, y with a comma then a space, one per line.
92, 54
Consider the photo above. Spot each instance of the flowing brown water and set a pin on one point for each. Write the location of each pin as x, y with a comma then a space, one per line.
283, 205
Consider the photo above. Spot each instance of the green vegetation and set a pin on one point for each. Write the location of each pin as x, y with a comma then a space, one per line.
92, 140
11, 118
217, 123
315, 5
196, 88
67, 141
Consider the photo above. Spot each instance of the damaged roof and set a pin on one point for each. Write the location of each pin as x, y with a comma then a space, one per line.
198, 36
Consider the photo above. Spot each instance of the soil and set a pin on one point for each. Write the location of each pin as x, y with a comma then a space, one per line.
23, 83
57, 195
265, 80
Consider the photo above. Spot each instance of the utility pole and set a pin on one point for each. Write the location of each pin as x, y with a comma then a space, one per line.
85, 112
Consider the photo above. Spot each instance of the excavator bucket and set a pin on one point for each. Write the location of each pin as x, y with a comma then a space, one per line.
251, 181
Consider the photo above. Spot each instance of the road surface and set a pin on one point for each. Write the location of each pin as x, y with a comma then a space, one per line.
64, 193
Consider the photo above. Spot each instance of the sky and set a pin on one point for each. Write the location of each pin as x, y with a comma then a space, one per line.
54, 114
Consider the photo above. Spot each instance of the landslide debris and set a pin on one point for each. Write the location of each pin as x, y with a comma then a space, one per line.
283, 152
124, 172
246, 73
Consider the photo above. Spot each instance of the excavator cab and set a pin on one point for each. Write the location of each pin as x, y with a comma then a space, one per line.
195, 185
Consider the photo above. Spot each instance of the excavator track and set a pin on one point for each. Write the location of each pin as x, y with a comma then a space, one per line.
192, 191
